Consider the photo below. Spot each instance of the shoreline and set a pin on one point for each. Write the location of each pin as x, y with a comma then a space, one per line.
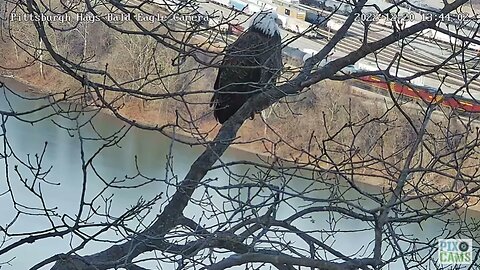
23, 86
19, 83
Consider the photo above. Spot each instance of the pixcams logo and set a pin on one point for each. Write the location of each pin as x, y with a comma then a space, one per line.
455, 251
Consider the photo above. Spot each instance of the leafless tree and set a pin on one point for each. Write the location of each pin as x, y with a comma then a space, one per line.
348, 175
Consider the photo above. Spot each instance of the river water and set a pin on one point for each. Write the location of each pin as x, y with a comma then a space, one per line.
63, 156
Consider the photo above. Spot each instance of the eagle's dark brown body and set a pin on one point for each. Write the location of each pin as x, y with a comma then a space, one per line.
253, 61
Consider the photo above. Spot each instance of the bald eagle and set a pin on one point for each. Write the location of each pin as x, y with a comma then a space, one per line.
251, 62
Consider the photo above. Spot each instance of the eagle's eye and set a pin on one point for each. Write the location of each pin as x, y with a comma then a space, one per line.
278, 21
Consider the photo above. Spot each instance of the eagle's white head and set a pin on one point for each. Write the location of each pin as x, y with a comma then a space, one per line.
267, 22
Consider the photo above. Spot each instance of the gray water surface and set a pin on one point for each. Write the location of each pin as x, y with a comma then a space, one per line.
151, 149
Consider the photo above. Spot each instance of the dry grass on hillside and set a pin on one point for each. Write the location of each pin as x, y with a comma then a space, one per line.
328, 125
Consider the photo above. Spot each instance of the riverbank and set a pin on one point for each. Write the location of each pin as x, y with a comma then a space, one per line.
23, 86
18, 84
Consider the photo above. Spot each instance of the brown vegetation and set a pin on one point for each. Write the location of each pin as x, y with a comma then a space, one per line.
423, 158
329, 116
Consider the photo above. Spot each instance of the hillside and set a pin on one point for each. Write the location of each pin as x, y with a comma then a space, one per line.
327, 125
